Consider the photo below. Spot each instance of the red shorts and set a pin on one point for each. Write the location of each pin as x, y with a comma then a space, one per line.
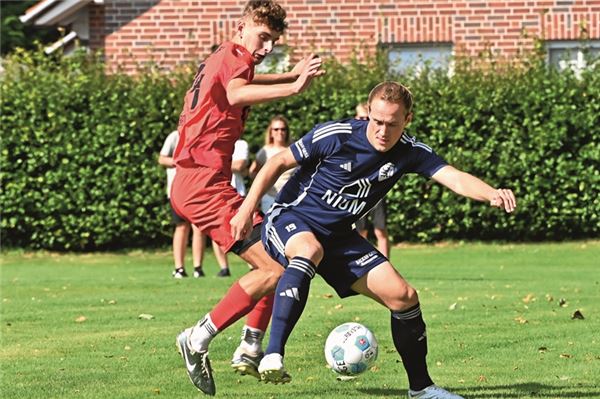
206, 198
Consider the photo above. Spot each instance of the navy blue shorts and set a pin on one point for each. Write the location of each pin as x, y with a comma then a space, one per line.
346, 258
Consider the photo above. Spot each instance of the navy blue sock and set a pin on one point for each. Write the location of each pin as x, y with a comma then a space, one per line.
291, 295
410, 340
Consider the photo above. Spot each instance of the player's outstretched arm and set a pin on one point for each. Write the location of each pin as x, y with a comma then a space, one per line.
287, 77
472, 187
242, 93
241, 223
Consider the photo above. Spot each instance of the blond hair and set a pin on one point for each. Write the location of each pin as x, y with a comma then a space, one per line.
269, 138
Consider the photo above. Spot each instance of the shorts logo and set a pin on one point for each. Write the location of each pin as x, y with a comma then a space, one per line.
366, 259
386, 171
290, 227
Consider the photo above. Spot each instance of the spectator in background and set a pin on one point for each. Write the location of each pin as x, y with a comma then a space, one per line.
219, 255
378, 214
239, 166
182, 227
277, 139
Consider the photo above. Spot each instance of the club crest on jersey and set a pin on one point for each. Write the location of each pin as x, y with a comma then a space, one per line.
386, 171
347, 199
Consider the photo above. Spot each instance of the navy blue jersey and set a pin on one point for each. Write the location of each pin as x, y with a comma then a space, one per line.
341, 176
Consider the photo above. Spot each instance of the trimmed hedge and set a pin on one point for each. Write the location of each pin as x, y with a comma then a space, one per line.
79, 150
79, 155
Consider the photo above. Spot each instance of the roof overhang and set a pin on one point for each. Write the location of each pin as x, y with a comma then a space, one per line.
55, 12
37, 10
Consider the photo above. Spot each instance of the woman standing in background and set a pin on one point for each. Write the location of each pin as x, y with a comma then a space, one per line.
277, 139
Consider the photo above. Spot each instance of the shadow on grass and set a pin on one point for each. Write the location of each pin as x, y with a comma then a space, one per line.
533, 389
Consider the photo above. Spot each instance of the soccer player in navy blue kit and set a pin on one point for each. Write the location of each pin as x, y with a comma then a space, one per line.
346, 167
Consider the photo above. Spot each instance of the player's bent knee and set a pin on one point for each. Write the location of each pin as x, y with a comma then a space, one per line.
311, 251
316, 254
403, 299
305, 245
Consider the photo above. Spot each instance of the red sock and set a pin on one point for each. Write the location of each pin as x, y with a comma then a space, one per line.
260, 316
232, 307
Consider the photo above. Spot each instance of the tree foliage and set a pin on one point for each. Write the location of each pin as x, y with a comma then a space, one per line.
14, 34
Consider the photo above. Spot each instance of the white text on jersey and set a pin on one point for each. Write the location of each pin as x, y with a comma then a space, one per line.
354, 206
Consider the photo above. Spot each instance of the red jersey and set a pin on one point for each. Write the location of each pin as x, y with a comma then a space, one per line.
208, 125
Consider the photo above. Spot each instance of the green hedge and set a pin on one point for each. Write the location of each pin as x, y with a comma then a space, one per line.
79, 155
533, 130
79, 150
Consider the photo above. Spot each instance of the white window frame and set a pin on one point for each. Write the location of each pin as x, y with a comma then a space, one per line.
576, 52
435, 55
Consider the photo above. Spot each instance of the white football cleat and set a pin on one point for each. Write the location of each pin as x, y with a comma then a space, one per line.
432, 392
271, 369
246, 363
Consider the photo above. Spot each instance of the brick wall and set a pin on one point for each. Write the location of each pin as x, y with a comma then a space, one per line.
96, 15
170, 32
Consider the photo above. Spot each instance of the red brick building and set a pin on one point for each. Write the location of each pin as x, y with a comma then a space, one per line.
169, 32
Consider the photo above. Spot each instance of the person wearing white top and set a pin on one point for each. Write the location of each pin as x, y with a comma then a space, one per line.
182, 227
239, 166
239, 169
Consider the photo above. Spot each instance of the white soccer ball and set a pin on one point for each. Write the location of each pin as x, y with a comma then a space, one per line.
350, 349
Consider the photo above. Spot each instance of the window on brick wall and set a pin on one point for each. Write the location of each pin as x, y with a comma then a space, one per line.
277, 61
574, 55
418, 57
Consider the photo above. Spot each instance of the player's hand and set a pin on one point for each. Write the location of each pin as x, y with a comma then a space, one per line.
504, 198
241, 226
299, 67
309, 67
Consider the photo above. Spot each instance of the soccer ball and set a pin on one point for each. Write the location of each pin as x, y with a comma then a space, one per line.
350, 349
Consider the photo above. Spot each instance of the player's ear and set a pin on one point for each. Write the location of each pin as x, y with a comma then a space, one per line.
409, 118
240, 28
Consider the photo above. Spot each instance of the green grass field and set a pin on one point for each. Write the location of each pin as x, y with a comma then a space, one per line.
496, 327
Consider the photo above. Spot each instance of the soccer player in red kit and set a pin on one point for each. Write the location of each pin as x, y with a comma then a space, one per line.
213, 116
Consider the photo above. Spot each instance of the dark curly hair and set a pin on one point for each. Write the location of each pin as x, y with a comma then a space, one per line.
266, 12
